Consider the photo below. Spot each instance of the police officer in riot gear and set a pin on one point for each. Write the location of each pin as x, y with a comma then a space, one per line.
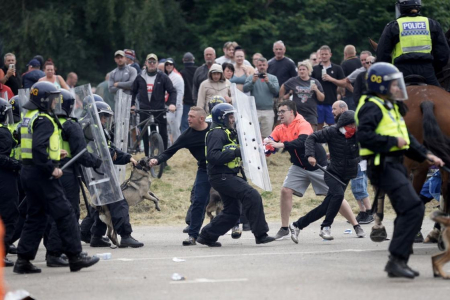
41, 154
223, 157
119, 210
9, 175
384, 141
72, 141
413, 43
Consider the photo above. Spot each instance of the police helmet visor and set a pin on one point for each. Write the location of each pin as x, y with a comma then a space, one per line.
228, 119
397, 88
106, 118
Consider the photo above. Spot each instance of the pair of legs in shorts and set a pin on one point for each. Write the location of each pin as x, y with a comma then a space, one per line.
324, 115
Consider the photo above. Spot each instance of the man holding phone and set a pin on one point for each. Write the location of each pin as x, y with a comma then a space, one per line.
264, 87
11, 78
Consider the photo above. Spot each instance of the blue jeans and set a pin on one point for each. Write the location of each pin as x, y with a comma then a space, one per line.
201, 197
184, 118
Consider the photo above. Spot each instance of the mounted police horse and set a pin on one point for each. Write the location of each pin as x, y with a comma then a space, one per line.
428, 120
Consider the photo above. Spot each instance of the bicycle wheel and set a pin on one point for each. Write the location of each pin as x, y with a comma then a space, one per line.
156, 148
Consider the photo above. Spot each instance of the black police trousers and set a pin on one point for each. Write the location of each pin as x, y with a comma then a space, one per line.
426, 70
8, 205
330, 205
52, 240
393, 180
46, 197
234, 190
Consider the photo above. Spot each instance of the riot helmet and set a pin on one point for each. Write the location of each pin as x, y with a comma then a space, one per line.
385, 79
217, 99
403, 7
6, 113
105, 114
42, 96
16, 108
65, 108
221, 115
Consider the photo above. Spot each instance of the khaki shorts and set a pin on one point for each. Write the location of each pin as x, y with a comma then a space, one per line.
299, 179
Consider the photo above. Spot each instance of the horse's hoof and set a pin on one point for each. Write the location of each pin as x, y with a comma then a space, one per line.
378, 235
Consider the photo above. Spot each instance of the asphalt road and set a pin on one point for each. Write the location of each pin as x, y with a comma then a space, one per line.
346, 268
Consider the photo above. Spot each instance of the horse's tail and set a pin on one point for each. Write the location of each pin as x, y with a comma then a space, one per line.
433, 137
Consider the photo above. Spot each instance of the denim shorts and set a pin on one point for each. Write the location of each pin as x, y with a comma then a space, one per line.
359, 185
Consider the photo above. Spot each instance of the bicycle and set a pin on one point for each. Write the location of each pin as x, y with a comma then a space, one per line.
156, 144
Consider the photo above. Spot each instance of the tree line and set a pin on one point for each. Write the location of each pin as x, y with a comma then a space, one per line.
82, 35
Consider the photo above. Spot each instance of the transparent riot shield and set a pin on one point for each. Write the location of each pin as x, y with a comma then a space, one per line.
252, 148
102, 183
121, 127
24, 96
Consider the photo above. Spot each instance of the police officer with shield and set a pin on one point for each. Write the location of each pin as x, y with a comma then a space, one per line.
9, 176
72, 141
223, 157
40, 143
384, 141
413, 43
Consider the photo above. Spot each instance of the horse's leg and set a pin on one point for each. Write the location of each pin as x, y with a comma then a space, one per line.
379, 233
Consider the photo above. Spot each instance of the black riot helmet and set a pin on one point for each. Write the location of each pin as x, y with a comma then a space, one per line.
42, 95
403, 7
67, 104
16, 108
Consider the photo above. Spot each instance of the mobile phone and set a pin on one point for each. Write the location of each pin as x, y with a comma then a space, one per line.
261, 75
11, 66
324, 71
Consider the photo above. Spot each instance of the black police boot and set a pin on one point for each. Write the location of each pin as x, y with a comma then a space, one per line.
8, 263
99, 242
203, 241
129, 241
264, 239
56, 261
23, 266
397, 268
12, 249
79, 262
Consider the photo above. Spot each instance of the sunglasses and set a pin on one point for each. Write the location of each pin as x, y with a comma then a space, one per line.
169, 64
370, 62
152, 62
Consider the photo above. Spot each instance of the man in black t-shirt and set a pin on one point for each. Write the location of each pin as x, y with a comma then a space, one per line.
350, 64
193, 139
327, 73
11, 78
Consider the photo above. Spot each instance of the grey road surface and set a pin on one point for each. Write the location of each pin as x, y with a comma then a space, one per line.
346, 268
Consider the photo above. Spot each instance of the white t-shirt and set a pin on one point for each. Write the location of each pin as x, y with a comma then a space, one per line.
150, 83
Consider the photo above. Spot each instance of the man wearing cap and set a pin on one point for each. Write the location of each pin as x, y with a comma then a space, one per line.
188, 76
123, 76
130, 57
33, 74
150, 88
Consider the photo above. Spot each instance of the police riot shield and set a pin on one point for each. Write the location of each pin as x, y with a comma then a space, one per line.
252, 148
24, 96
102, 182
121, 127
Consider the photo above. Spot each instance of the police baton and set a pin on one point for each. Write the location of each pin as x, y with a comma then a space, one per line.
71, 162
325, 171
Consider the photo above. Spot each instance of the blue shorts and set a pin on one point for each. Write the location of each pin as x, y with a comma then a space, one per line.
359, 185
324, 114
432, 187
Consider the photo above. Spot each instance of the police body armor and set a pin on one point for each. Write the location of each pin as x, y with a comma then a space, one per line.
232, 145
392, 124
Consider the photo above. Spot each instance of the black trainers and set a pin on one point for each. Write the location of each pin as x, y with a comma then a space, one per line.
366, 219
8, 263
236, 232
129, 241
79, 262
398, 268
99, 242
56, 261
264, 240
186, 229
190, 241
12, 249
202, 241
418, 238
23, 266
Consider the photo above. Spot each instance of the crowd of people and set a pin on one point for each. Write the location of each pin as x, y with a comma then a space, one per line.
355, 108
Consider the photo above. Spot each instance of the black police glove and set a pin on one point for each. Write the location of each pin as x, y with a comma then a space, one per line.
15, 165
237, 152
98, 163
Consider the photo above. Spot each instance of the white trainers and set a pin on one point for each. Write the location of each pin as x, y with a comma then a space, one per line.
359, 231
294, 232
281, 234
325, 233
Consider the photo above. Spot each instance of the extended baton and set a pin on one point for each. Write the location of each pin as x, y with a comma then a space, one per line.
70, 162
325, 171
